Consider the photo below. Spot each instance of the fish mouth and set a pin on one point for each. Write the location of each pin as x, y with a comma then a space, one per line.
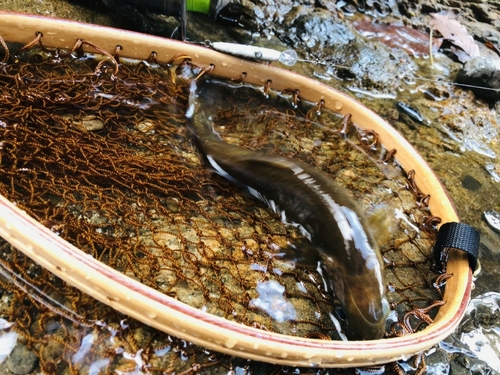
367, 323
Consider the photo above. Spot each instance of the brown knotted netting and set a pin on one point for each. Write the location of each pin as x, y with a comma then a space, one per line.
100, 154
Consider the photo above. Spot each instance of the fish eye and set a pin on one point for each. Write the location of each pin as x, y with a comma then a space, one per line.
339, 311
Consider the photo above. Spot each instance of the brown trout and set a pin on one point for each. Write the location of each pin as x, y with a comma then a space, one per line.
311, 199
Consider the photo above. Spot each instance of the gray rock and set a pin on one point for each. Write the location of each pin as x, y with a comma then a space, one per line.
317, 30
482, 72
332, 42
22, 360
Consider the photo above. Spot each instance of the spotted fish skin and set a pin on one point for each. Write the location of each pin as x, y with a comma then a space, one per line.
325, 212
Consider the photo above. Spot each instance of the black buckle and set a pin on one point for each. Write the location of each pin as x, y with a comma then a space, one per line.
459, 236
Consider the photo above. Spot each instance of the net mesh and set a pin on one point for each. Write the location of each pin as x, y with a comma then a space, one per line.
102, 157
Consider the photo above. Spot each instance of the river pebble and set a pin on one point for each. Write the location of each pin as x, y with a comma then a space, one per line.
484, 72
22, 360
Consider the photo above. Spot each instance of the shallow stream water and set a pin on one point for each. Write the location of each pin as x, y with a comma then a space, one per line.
459, 137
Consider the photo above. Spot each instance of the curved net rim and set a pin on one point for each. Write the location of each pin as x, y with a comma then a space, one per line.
177, 318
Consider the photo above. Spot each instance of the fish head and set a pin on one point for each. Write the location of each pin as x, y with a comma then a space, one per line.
358, 277
363, 308
366, 314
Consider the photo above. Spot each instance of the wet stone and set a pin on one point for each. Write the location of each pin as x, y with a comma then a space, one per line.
89, 123
319, 29
485, 316
21, 360
467, 365
482, 71
92, 124
470, 183
438, 362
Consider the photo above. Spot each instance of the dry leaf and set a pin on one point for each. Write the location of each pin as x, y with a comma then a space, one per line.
456, 33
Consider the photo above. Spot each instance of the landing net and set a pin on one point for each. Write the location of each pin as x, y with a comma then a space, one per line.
101, 155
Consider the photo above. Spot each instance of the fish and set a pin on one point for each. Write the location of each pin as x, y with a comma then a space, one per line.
323, 210
410, 111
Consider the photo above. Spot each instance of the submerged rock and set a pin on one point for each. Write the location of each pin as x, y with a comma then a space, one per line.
482, 72
21, 360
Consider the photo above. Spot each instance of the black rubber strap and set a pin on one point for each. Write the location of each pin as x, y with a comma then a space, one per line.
457, 236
